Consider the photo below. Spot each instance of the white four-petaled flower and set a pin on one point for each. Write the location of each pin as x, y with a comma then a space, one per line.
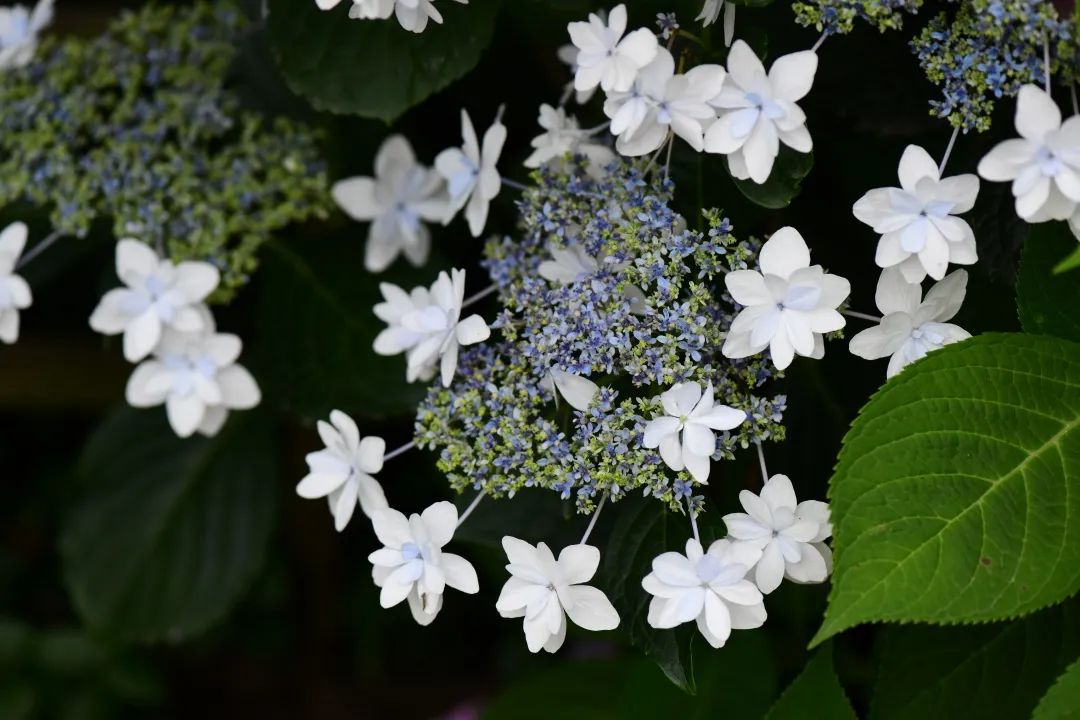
544, 591
471, 174
412, 565
605, 57
14, 292
912, 327
561, 136
19, 29
789, 304
343, 471
692, 414
790, 534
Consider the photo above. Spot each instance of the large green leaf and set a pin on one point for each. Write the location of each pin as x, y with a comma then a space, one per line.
375, 68
784, 182
169, 532
1062, 701
986, 671
816, 694
951, 496
1047, 302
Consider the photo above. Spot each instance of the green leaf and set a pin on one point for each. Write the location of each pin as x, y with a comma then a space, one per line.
1071, 262
816, 694
985, 671
375, 68
784, 182
1062, 701
170, 532
1048, 302
951, 495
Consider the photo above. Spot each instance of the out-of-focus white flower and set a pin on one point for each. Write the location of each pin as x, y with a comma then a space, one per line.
14, 292
19, 30
413, 15
606, 58
561, 136
710, 12
471, 174
693, 414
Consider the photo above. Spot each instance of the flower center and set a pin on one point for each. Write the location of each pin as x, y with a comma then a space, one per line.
708, 567
410, 551
1049, 163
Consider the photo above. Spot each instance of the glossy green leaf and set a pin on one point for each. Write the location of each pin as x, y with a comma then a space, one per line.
784, 183
1062, 701
816, 694
1047, 302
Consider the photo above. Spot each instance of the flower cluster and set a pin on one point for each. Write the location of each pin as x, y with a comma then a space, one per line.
839, 16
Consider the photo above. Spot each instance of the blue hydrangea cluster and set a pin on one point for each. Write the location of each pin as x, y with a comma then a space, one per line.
646, 311
839, 16
138, 127
988, 51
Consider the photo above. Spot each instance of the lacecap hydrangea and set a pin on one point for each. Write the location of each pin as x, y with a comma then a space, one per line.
839, 16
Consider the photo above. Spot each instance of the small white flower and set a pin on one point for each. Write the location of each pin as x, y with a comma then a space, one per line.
412, 566
19, 29
158, 295
692, 413
919, 231
790, 534
709, 587
606, 58
789, 304
568, 54
759, 111
561, 136
402, 194
413, 15
911, 328
470, 173
1043, 163
198, 380
14, 292
369, 9
342, 472
544, 591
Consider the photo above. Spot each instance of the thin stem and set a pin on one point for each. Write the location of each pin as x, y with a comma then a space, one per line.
38, 249
399, 451
592, 522
1046, 60
594, 130
514, 184
567, 92
820, 40
761, 462
948, 151
479, 296
652, 160
693, 519
861, 316
1076, 106
667, 160
472, 506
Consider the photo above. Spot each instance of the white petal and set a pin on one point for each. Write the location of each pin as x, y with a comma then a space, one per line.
370, 495
135, 261
770, 568
681, 398
792, 76
747, 287
915, 164
196, 280
784, 253
141, 335
317, 485
440, 520
391, 528
717, 618
460, 574
149, 385
589, 608
472, 330
238, 388
184, 413
779, 493
578, 563
579, 391
1036, 113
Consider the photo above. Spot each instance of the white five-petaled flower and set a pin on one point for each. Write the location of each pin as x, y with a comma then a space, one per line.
919, 231
694, 415
912, 327
605, 57
412, 565
789, 304
19, 29
1043, 163
790, 534
158, 295
427, 325
561, 136
398, 199
709, 587
759, 111
14, 292
471, 174
198, 380
544, 591
343, 471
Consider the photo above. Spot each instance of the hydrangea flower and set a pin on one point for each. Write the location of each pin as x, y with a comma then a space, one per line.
605, 57
412, 566
14, 292
19, 29
544, 591
912, 326
789, 304
789, 534
759, 111
920, 232
402, 194
562, 136
1043, 163
413, 15
709, 587
694, 414
342, 473
159, 295
197, 379
470, 172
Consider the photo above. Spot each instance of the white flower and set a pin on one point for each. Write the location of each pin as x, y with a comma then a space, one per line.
1043, 163
342, 472
919, 231
158, 295
570, 263
578, 391
19, 29
561, 136
709, 587
198, 380
606, 58
569, 54
759, 111
370, 9
470, 172
397, 199
789, 304
413, 15
911, 328
790, 534
692, 413
710, 12
544, 591
14, 292
412, 565
427, 325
